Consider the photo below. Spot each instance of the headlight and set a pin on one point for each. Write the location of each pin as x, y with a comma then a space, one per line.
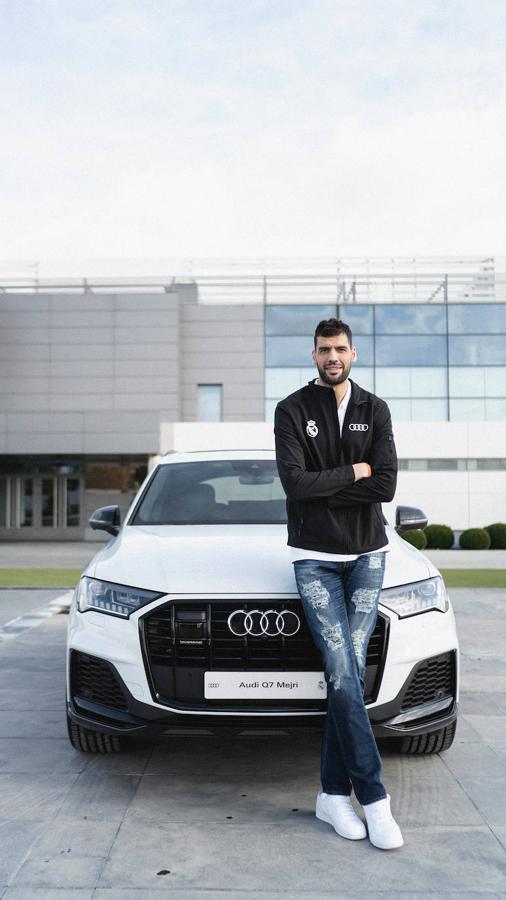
115, 599
410, 599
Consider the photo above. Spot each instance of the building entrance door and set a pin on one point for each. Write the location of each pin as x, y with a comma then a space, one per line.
35, 506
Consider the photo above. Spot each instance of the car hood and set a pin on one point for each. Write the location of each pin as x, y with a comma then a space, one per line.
224, 559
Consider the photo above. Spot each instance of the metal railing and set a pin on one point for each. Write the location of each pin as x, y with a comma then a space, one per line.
326, 281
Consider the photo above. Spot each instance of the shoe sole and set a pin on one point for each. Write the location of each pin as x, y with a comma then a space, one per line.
349, 837
390, 847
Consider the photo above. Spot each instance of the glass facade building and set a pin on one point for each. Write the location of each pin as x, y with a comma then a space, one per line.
430, 362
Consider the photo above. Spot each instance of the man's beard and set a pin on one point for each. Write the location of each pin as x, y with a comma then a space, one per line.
332, 380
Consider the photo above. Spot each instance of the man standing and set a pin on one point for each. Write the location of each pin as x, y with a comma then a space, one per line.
337, 462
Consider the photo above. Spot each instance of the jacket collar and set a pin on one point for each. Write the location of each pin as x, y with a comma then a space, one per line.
358, 395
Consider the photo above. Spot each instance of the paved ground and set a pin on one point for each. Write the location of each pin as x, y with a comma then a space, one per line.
468, 559
50, 554
203, 818
55, 554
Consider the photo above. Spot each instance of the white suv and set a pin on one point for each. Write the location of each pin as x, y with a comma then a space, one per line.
191, 616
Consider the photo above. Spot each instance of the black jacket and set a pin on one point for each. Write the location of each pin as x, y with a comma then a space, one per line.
327, 509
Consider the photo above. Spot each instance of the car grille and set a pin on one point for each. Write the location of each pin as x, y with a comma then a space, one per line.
433, 680
183, 638
93, 679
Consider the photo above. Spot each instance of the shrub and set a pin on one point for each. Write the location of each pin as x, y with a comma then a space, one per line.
416, 537
439, 537
497, 533
475, 539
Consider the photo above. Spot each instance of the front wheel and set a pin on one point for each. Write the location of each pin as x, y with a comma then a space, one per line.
87, 741
423, 744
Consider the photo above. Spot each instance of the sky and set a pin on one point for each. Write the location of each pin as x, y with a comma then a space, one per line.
163, 129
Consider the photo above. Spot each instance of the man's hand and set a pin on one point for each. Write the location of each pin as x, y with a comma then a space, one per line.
362, 470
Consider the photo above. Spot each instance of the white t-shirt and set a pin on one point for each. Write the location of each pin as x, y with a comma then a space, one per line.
299, 552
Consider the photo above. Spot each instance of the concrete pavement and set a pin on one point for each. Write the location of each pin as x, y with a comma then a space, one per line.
47, 554
196, 816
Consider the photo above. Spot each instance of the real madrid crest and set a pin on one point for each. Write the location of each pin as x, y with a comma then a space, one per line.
311, 428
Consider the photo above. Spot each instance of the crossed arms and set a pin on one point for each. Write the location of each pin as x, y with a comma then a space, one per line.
346, 485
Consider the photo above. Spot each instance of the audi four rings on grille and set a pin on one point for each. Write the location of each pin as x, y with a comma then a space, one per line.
257, 623
358, 426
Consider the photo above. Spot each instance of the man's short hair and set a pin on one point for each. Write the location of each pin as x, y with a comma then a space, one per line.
331, 327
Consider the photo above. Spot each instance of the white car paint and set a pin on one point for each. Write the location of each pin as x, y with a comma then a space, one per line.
236, 561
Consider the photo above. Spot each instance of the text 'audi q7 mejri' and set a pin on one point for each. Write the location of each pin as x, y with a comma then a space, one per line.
190, 617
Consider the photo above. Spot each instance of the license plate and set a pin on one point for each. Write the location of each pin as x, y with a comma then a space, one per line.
264, 686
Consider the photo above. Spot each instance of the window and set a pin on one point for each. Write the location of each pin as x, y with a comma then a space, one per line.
495, 410
469, 410
209, 402
410, 318
417, 410
495, 381
270, 406
296, 351
476, 318
429, 410
284, 320
365, 350
281, 382
400, 410
289, 351
446, 464
48, 502
5, 502
411, 350
476, 350
25, 502
358, 317
466, 382
487, 465
72, 502
416, 381
403, 354
363, 376
214, 492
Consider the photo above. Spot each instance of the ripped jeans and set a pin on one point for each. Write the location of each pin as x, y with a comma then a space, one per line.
340, 601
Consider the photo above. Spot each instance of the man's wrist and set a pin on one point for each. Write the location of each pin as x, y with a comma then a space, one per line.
362, 470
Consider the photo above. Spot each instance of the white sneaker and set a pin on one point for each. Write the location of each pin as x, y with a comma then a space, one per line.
337, 810
384, 831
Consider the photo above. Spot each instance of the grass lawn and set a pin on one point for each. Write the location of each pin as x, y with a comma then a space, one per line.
68, 578
39, 578
492, 578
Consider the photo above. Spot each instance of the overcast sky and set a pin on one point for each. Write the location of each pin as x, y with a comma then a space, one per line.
242, 128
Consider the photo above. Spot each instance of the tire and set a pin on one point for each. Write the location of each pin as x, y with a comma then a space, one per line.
423, 744
87, 741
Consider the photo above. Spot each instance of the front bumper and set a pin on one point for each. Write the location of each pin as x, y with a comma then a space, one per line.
408, 694
395, 718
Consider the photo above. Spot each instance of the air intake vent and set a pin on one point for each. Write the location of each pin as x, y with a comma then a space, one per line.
94, 679
433, 680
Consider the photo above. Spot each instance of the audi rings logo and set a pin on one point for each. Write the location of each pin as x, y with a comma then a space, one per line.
358, 426
270, 623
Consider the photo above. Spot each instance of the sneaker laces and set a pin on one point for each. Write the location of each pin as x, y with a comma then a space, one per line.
345, 805
383, 812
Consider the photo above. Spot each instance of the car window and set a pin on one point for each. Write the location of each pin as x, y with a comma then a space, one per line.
213, 492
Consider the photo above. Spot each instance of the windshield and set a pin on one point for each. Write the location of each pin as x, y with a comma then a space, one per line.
232, 492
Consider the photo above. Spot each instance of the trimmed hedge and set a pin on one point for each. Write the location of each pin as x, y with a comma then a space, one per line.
497, 533
416, 537
439, 537
475, 539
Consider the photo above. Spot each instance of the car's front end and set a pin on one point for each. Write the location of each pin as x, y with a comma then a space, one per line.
199, 623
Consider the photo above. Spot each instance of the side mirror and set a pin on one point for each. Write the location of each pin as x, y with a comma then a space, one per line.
107, 518
408, 517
